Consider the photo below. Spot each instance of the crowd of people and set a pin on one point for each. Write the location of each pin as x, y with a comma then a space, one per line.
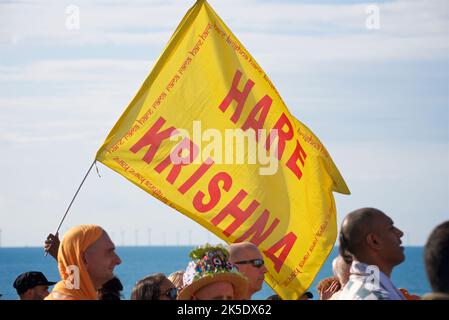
369, 249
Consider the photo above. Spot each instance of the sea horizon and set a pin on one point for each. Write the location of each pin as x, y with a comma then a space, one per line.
138, 261
160, 245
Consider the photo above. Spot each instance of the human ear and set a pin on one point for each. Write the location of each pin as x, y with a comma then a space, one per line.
29, 294
372, 241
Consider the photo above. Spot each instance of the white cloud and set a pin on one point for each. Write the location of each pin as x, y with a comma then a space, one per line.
46, 194
95, 70
410, 29
298, 52
18, 139
47, 97
388, 162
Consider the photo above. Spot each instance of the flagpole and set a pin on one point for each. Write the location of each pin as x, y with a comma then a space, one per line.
73, 199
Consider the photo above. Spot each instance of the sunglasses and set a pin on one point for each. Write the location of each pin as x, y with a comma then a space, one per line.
172, 293
258, 263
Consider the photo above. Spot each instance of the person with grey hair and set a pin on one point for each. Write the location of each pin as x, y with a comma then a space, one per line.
330, 288
341, 270
249, 260
177, 279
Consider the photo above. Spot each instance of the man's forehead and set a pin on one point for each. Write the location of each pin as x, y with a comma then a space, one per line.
106, 242
386, 219
253, 252
110, 244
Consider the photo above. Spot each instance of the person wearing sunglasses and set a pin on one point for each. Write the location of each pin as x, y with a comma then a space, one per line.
249, 260
154, 287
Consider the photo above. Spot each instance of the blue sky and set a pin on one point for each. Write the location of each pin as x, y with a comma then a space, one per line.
378, 99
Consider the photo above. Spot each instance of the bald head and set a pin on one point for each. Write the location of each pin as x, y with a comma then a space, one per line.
368, 235
240, 251
247, 257
355, 228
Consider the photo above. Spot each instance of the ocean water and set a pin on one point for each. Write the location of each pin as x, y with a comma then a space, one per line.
138, 262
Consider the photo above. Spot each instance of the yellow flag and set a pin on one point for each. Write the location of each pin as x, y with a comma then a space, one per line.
209, 135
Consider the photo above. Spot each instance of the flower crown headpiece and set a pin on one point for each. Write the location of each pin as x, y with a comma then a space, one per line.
208, 260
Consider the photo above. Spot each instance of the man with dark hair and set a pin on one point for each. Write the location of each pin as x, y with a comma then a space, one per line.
110, 290
370, 239
436, 258
154, 287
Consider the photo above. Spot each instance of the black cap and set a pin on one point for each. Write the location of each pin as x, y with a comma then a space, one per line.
308, 295
29, 280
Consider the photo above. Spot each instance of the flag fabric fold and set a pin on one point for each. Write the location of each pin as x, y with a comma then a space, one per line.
180, 140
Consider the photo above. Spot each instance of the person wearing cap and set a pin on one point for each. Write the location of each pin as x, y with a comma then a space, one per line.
32, 285
211, 276
306, 296
249, 261
86, 260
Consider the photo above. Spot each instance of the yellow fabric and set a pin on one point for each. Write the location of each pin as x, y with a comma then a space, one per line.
290, 215
76, 241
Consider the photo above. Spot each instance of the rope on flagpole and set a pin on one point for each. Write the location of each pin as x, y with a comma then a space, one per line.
73, 199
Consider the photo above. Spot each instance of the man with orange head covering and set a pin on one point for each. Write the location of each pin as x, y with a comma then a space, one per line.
86, 260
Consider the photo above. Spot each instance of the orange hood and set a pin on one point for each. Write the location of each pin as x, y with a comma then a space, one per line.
72, 287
